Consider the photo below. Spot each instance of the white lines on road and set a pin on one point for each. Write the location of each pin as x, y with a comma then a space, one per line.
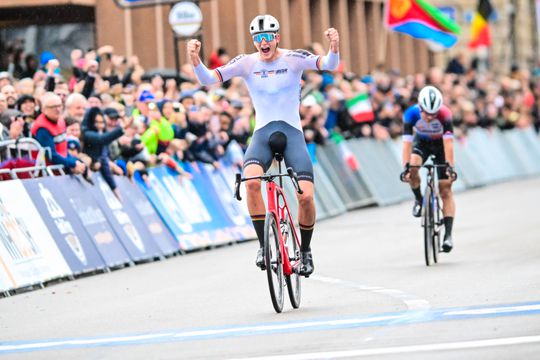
384, 321
412, 302
494, 310
405, 349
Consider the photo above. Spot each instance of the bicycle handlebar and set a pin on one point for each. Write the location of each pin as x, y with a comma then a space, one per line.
267, 177
408, 167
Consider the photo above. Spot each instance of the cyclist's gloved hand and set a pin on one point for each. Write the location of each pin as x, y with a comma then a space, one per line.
403, 175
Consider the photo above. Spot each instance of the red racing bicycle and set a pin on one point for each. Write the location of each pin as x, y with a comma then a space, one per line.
281, 241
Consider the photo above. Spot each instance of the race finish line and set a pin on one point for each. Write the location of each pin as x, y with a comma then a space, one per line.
385, 319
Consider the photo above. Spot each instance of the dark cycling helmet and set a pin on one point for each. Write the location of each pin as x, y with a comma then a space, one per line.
430, 99
262, 24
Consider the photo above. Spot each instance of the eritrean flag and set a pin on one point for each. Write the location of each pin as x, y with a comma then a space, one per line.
360, 108
421, 20
480, 34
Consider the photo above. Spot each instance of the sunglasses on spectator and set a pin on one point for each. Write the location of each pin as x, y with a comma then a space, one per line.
55, 106
266, 36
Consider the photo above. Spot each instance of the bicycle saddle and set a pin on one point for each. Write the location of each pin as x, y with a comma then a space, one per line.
278, 143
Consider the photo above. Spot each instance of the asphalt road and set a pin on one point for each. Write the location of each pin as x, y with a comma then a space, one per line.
371, 296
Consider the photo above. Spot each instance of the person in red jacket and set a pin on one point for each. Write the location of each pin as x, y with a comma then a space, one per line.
49, 129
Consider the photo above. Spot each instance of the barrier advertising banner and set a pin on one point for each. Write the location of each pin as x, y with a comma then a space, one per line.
198, 209
137, 202
28, 253
94, 220
78, 249
166, 207
135, 238
221, 184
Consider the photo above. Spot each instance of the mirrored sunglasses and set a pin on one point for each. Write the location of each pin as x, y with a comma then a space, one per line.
266, 36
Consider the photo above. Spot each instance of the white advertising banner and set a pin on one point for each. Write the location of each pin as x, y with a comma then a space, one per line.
28, 253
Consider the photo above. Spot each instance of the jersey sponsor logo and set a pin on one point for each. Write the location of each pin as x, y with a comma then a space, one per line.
234, 60
300, 53
263, 73
432, 130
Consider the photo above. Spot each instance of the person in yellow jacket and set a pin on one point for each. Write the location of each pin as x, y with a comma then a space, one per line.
160, 131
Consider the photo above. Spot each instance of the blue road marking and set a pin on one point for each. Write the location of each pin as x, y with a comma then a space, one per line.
385, 319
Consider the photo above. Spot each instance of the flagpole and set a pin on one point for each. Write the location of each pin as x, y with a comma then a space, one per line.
384, 40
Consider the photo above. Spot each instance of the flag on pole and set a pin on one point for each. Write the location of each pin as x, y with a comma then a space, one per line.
360, 108
421, 20
346, 154
480, 33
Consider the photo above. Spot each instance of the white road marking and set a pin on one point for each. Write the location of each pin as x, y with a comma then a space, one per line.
412, 302
494, 310
404, 349
383, 321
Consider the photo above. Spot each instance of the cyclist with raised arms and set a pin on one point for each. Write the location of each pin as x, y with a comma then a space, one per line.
433, 135
273, 77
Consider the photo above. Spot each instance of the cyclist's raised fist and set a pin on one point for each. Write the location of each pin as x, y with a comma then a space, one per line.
333, 36
193, 48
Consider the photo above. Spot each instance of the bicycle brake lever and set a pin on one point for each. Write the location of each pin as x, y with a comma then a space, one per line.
294, 177
237, 187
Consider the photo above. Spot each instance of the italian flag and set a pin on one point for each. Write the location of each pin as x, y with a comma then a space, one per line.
347, 155
360, 108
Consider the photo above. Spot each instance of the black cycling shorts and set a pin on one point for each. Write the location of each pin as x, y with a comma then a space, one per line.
295, 154
424, 148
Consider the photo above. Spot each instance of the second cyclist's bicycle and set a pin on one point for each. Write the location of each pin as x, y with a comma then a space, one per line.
281, 241
432, 216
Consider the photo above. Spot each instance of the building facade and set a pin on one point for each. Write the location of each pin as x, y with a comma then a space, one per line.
365, 43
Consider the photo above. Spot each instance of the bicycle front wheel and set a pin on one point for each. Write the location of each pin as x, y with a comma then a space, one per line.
429, 227
274, 262
293, 280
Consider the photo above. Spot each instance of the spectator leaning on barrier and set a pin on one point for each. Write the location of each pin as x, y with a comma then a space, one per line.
96, 141
49, 129
27, 105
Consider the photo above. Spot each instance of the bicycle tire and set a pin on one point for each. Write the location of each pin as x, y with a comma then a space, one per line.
436, 234
294, 287
274, 263
428, 227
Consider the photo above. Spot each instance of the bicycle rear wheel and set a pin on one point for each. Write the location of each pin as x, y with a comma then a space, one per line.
429, 227
293, 280
274, 262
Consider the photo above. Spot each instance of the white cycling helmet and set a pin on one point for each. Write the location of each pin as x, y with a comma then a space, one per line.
430, 99
262, 24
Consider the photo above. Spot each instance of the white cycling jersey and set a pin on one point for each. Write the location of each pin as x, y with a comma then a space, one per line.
274, 86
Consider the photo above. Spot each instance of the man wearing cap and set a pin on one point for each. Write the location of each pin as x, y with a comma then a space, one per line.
141, 112
273, 77
112, 121
49, 129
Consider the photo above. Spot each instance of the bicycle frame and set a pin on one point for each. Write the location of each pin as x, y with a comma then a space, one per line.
433, 183
277, 205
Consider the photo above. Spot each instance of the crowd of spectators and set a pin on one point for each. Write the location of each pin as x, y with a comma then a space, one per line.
118, 121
